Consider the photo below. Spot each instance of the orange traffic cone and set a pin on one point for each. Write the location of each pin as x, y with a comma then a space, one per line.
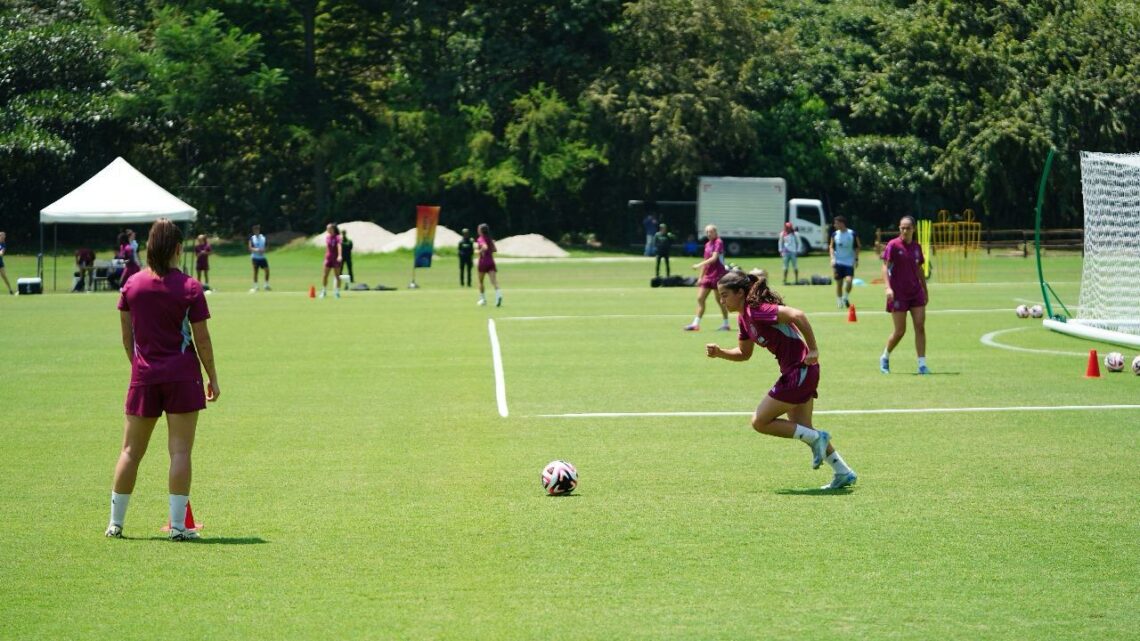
1093, 369
851, 314
312, 291
190, 524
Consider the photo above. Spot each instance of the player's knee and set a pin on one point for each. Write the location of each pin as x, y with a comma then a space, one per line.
760, 424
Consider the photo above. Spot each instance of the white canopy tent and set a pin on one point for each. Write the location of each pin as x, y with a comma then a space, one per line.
117, 195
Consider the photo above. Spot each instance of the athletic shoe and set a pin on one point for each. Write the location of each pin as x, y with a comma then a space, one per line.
183, 535
841, 481
923, 370
482, 301
336, 292
498, 301
846, 303
114, 531
723, 328
321, 294
267, 287
692, 328
884, 364
819, 449
253, 290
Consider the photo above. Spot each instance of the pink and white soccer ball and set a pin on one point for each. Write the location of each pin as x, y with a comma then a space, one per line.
1136, 366
1037, 311
1114, 362
559, 477
1022, 311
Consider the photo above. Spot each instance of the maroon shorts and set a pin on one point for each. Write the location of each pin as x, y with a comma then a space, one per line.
151, 401
486, 266
905, 303
796, 386
332, 262
710, 281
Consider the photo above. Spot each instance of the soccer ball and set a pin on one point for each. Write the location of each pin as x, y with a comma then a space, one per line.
1022, 311
559, 477
1036, 311
1114, 362
1136, 366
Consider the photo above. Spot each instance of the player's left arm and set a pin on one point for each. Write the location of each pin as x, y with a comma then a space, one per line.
128, 335
858, 248
793, 316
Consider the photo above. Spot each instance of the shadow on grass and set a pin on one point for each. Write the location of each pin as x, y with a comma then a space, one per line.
815, 491
221, 540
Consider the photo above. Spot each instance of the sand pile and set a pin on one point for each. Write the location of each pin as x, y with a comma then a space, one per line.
444, 237
530, 246
367, 237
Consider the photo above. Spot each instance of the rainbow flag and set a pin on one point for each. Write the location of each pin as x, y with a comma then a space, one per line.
427, 218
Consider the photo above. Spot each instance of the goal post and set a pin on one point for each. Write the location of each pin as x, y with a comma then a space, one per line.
1108, 308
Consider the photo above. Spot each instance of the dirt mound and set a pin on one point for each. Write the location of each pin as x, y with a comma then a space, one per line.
530, 246
444, 237
367, 237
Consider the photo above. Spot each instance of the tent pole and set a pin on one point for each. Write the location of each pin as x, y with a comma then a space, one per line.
54, 255
40, 257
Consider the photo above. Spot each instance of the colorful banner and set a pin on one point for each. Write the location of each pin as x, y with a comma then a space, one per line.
427, 218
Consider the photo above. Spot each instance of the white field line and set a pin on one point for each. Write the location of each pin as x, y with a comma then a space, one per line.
930, 410
497, 361
842, 314
991, 340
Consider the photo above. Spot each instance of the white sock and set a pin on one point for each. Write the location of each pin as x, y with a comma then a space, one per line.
922, 361
725, 324
119, 507
837, 463
178, 511
805, 434
886, 353
498, 293
839, 299
696, 320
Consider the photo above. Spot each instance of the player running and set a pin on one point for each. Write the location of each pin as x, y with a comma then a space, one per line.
485, 246
160, 310
844, 249
906, 291
785, 332
712, 268
334, 258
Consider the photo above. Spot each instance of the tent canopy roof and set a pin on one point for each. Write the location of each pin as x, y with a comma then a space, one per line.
117, 194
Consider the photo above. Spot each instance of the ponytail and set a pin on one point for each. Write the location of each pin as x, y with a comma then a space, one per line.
754, 284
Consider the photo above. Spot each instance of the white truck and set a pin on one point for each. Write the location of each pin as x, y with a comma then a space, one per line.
752, 211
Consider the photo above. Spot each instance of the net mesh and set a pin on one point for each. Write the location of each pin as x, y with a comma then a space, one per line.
1110, 279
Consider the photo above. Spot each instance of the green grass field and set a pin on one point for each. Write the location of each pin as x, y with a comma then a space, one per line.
356, 480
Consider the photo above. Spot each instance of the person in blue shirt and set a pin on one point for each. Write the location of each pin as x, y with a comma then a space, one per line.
844, 249
649, 223
257, 256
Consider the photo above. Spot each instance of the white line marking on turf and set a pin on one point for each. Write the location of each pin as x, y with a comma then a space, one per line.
915, 410
990, 339
497, 360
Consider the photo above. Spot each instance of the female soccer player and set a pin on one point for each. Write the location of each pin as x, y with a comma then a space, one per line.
712, 268
906, 291
785, 332
129, 257
203, 250
333, 260
485, 245
159, 310
4, 274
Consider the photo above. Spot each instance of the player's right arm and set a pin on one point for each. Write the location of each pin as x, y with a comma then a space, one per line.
831, 248
742, 352
205, 349
887, 282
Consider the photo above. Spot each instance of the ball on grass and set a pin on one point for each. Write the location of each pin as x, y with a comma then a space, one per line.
559, 477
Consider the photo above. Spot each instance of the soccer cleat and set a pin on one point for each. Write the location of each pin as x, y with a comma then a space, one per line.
253, 290
841, 480
321, 294
846, 303
692, 328
923, 370
498, 300
482, 302
723, 328
884, 365
336, 293
267, 287
114, 531
183, 535
819, 449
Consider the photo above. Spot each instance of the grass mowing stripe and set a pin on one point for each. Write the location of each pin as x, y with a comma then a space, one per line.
901, 410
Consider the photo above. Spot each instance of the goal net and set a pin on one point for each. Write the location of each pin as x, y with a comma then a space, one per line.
1109, 302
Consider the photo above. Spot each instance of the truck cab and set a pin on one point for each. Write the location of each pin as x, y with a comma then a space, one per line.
810, 222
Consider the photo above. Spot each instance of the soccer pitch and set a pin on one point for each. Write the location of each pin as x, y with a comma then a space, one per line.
357, 480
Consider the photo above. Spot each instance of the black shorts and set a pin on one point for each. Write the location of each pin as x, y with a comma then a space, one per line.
261, 262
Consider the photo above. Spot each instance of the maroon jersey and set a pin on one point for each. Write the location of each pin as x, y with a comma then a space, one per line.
904, 262
760, 325
162, 309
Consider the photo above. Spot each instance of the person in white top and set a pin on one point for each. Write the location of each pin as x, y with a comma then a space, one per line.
257, 256
844, 249
790, 251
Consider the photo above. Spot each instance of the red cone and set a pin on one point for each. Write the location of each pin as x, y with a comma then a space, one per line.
190, 524
1093, 369
312, 291
851, 314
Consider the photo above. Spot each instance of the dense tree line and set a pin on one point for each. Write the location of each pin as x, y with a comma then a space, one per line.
548, 117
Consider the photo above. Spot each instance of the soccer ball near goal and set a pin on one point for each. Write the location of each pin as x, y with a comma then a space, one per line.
1114, 362
1022, 311
1036, 311
559, 477
1136, 366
